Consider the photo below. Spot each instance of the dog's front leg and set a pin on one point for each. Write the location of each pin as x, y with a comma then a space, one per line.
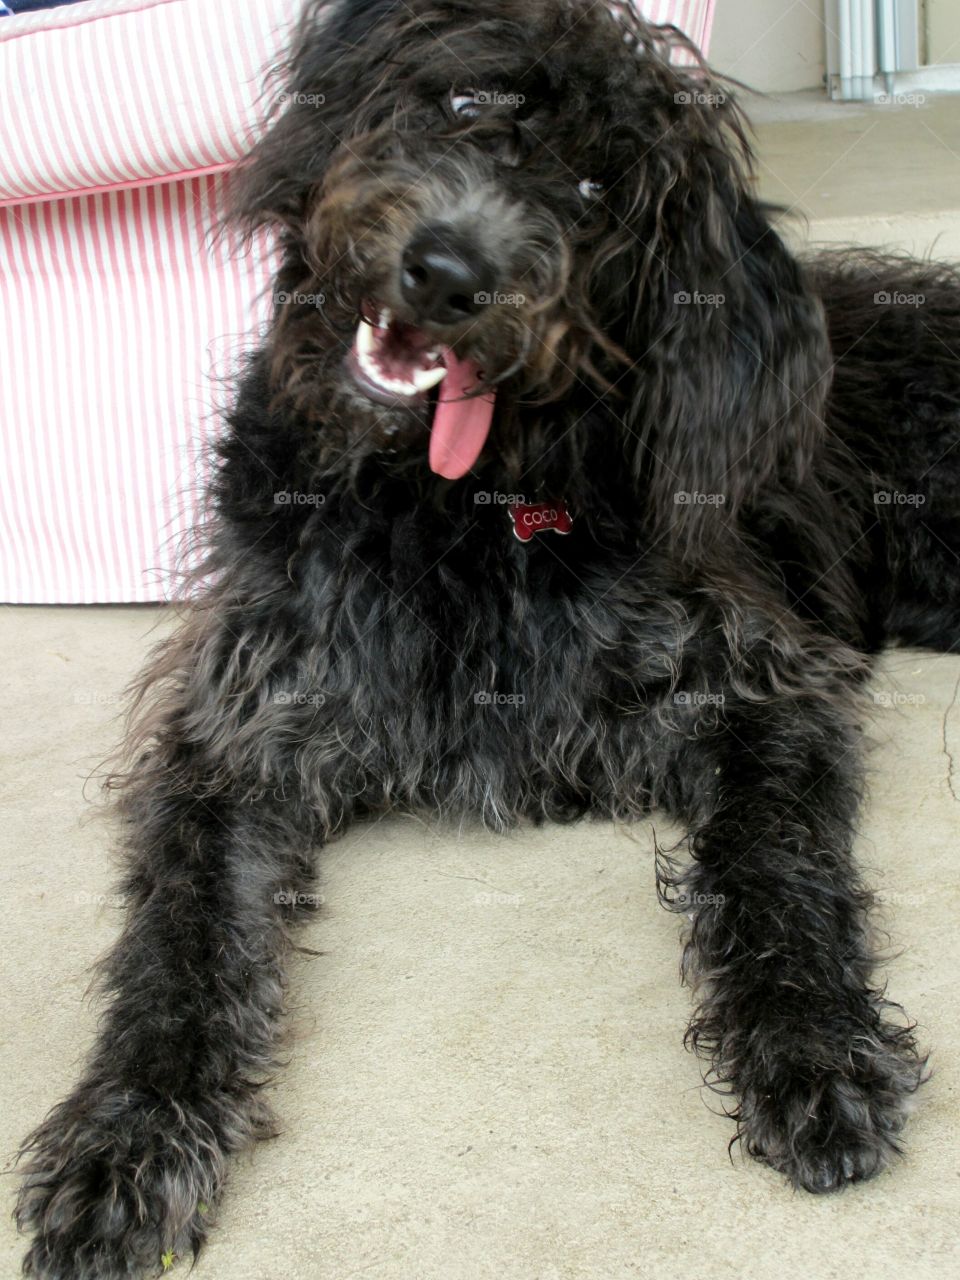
780, 954
124, 1174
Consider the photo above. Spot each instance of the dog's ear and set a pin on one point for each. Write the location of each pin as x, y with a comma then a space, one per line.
729, 340
311, 101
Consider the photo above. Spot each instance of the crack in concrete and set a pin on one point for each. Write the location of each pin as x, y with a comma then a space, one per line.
951, 763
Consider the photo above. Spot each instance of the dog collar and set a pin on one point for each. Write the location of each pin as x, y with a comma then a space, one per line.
529, 518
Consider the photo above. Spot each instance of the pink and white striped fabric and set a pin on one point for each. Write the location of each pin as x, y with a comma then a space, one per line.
113, 93
121, 325
121, 320
693, 17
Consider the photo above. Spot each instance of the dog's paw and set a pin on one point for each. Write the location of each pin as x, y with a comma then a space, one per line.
116, 1186
826, 1124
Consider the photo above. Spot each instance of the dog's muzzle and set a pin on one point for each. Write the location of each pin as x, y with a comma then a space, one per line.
444, 283
444, 280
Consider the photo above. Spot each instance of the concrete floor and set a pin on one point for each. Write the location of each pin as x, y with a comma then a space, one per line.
863, 173
486, 1078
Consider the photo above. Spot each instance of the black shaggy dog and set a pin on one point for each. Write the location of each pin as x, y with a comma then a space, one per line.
549, 302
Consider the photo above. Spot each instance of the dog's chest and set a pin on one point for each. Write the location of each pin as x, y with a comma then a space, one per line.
481, 673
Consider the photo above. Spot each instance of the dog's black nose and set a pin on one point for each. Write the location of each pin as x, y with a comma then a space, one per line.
442, 278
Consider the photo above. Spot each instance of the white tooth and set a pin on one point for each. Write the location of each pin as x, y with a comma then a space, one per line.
433, 355
365, 346
423, 379
385, 318
365, 358
365, 339
392, 385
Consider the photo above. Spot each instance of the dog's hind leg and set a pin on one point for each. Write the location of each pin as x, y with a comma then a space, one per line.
919, 575
779, 948
895, 406
126, 1171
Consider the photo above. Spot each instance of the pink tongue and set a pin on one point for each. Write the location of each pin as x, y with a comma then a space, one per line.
460, 427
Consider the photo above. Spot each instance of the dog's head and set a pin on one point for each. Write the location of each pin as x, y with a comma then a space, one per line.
510, 226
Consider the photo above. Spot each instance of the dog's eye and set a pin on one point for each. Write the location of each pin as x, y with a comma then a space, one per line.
468, 103
589, 189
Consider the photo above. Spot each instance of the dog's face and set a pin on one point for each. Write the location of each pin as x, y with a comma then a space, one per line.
466, 215
496, 205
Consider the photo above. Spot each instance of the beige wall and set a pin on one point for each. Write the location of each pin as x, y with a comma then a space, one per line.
773, 45
943, 30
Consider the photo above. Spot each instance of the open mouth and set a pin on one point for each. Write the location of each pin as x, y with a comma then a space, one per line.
392, 361
395, 358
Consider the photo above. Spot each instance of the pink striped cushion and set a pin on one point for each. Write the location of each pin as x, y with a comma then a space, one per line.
693, 17
137, 90
120, 322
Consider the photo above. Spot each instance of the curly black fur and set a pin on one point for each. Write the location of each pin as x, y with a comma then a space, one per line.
764, 493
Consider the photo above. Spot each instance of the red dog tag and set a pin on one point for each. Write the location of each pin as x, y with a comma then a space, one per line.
529, 518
